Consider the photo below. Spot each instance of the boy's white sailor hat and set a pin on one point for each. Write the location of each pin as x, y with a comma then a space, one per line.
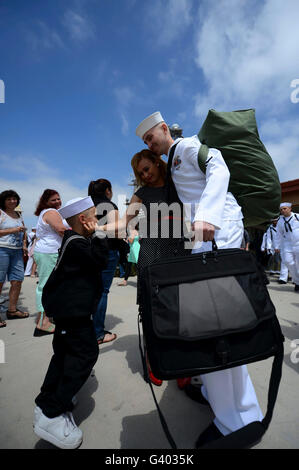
286, 204
76, 206
148, 123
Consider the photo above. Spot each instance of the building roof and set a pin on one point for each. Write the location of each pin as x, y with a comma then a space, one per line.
288, 186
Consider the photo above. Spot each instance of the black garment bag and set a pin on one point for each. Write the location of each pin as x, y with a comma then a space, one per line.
208, 312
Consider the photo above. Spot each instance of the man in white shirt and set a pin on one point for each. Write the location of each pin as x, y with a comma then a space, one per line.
215, 214
288, 240
269, 245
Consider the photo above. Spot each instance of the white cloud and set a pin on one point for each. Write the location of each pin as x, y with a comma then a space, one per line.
281, 140
79, 27
167, 19
248, 53
41, 37
124, 97
32, 176
166, 77
125, 125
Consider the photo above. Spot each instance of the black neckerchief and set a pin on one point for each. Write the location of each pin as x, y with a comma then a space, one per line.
287, 224
271, 230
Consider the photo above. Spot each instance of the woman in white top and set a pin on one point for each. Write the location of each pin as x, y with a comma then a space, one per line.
49, 232
12, 247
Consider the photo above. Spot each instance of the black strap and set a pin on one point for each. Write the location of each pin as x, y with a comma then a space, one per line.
172, 195
63, 248
214, 245
169, 162
142, 354
249, 434
146, 378
253, 432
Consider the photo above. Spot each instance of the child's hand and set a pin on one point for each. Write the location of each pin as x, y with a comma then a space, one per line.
90, 227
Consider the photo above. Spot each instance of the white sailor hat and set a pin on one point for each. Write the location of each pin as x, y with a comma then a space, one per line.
148, 123
76, 206
286, 204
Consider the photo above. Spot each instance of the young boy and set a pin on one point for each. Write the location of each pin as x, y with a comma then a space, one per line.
70, 297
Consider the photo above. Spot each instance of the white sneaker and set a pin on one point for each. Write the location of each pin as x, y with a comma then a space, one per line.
60, 431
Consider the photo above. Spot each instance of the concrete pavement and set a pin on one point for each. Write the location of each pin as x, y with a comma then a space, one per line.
116, 408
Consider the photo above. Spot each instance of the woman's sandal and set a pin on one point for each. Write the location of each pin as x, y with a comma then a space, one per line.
103, 340
12, 315
47, 331
2, 323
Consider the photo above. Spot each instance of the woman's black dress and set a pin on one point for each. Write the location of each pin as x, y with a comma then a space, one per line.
156, 242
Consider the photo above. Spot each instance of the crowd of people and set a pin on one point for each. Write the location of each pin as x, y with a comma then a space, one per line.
281, 246
76, 248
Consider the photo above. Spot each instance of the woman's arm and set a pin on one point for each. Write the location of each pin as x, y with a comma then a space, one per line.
25, 249
118, 226
132, 235
11, 230
53, 218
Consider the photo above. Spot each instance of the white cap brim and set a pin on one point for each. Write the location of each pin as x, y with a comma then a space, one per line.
285, 204
148, 123
76, 206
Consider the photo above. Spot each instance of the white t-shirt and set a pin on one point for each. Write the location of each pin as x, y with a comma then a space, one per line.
204, 195
47, 239
12, 240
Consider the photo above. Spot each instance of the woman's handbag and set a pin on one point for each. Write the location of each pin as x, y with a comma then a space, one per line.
208, 312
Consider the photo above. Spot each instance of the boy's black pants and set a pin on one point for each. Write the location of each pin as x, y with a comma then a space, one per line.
75, 353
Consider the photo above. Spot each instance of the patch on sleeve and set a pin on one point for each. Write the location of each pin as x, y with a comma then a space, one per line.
177, 162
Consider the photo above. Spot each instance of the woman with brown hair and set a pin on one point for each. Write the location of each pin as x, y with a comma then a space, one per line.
12, 247
160, 236
50, 228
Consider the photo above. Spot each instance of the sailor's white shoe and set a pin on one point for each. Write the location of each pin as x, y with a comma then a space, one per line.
60, 431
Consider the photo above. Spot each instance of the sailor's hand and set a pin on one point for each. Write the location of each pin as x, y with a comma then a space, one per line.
203, 231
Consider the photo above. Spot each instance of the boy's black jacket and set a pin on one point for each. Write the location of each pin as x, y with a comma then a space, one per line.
74, 288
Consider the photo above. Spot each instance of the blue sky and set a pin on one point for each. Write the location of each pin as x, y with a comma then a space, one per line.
80, 75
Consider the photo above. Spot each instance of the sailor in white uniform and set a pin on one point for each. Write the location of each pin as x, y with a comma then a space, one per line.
214, 214
283, 274
31, 237
270, 246
288, 240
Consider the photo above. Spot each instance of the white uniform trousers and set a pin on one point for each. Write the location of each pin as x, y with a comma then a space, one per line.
290, 257
230, 392
29, 266
284, 272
